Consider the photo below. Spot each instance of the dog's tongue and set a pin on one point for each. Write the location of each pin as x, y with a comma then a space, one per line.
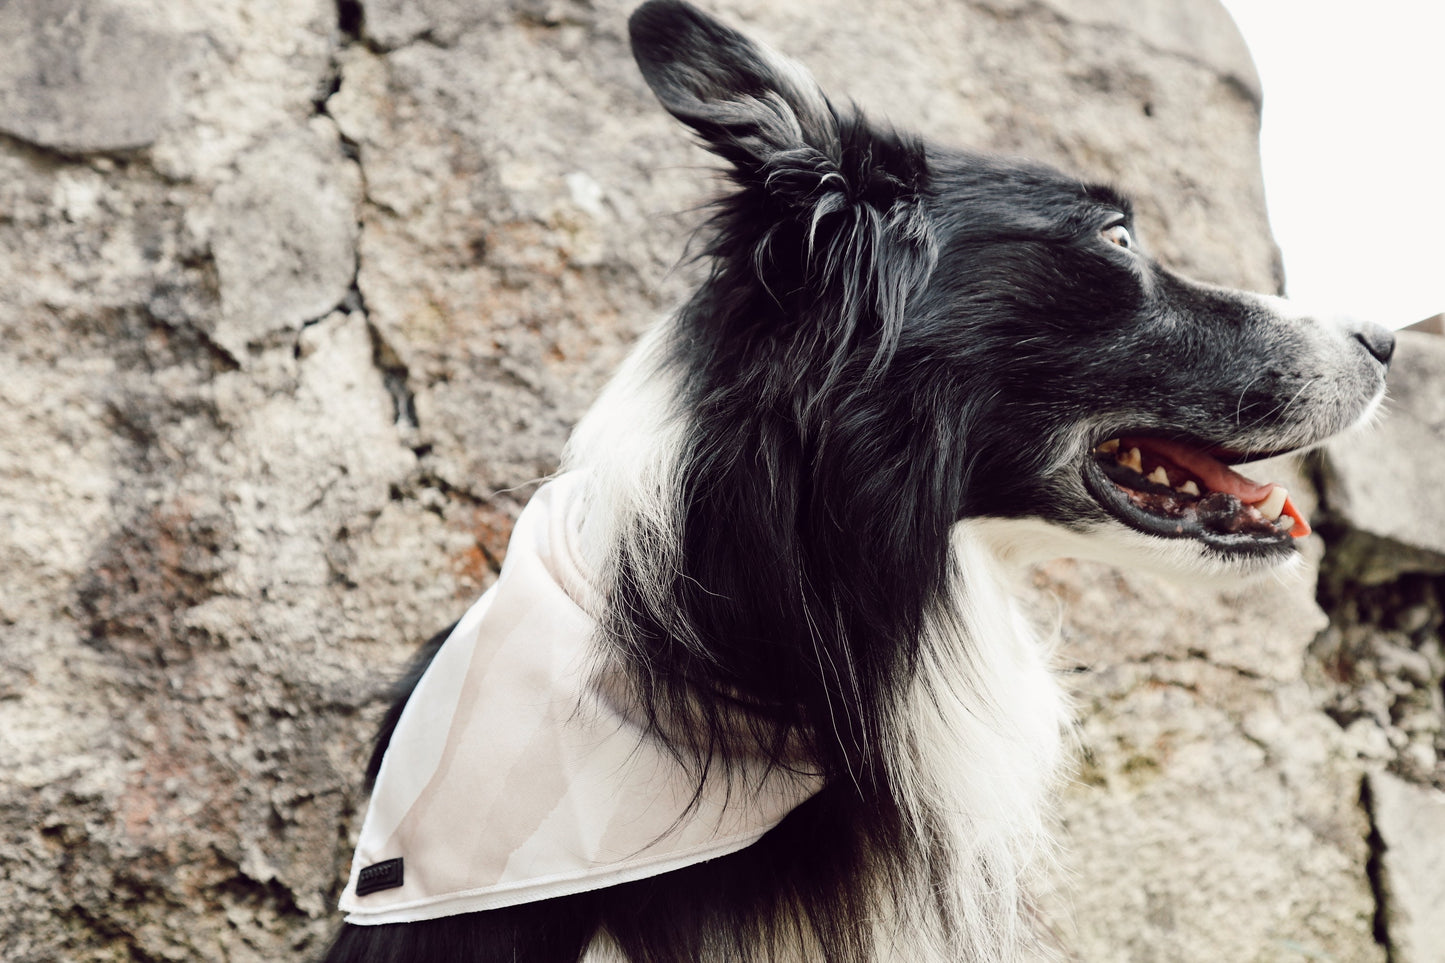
1219, 477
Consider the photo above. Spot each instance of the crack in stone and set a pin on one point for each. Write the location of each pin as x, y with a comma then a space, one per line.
430, 479
351, 19
395, 376
1374, 870
351, 23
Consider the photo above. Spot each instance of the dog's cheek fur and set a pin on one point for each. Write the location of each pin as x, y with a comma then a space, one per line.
1251, 371
1062, 347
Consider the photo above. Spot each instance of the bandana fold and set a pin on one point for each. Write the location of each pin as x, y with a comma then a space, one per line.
510, 778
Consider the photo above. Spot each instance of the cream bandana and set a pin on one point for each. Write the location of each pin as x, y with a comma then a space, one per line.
511, 778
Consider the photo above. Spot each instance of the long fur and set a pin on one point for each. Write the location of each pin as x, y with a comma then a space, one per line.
801, 493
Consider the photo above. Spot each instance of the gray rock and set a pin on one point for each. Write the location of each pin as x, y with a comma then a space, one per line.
1213, 805
396, 23
1435, 324
1388, 535
1411, 822
83, 76
284, 236
253, 71
1203, 31
234, 493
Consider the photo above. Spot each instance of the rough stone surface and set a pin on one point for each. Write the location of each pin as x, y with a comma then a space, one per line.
283, 236
1369, 468
1198, 31
82, 75
1411, 824
1214, 812
1381, 667
394, 23
294, 317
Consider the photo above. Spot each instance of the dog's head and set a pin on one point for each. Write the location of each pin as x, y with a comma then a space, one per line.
942, 334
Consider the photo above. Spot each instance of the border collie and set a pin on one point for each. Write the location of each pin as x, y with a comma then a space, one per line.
752, 685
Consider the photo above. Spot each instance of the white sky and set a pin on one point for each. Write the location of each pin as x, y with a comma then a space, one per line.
1354, 150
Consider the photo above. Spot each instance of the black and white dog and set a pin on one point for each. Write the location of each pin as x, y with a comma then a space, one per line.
777, 566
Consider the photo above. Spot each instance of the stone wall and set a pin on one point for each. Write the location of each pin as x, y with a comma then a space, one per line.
298, 299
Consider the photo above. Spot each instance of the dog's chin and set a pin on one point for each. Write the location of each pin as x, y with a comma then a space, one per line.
1211, 559
1096, 536
1126, 522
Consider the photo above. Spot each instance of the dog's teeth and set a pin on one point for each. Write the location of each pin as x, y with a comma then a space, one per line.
1274, 503
1159, 476
1132, 460
1189, 488
1108, 447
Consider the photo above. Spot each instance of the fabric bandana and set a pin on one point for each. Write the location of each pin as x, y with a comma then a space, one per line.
511, 777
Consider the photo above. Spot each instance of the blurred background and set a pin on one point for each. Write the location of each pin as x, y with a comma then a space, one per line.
299, 298
1354, 133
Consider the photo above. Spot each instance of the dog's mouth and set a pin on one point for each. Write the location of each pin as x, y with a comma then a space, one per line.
1183, 489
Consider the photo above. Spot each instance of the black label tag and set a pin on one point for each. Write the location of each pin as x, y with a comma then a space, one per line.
379, 876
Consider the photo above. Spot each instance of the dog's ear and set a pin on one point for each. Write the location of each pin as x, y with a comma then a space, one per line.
828, 209
749, 102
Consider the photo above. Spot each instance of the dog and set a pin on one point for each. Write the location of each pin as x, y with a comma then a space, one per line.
753, 685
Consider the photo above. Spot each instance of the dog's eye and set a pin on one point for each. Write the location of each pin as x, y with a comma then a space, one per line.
1118, 234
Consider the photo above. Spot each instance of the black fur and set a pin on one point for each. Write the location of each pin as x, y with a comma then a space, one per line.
894, 337
543, 932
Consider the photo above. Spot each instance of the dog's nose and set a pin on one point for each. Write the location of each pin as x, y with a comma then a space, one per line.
1379, 341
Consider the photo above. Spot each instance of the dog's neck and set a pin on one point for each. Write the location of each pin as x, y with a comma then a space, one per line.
977, 727
987, 718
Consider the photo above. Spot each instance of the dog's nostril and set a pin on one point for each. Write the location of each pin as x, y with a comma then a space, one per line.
1377, 340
